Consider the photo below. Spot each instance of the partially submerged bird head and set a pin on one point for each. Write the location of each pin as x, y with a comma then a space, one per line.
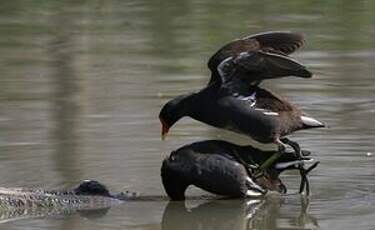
175, 177
91, 187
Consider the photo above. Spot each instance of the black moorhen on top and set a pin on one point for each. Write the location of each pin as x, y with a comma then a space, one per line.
216, 167
233, 101
258, 57
245, 109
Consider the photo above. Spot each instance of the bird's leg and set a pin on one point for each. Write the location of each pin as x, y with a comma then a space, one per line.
294, 145
281, 149
304, 179
302, 171
252, 169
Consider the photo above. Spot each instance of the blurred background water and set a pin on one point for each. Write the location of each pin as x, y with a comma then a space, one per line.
82, 83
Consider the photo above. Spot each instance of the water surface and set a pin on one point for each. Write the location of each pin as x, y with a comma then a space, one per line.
82, 83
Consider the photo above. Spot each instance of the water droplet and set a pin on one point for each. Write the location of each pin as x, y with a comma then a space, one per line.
369, 154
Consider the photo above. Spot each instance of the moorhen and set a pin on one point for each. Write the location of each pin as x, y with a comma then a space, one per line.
216, 166
233, 100
242, 108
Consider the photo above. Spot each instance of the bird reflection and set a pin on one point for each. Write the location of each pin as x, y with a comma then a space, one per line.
304, 218
272, 212
265, 213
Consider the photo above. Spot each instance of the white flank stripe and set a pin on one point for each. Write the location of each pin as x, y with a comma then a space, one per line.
243, 54
271, 113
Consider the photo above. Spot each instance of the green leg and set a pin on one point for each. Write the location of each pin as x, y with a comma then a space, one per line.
270, 161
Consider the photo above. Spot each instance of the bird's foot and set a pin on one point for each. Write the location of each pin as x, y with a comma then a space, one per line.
281, 148
304, 179
249, 167
257, 173
297, 149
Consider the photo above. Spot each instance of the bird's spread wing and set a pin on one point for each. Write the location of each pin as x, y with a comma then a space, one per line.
279, 41
264, 101
261, 55
255, 66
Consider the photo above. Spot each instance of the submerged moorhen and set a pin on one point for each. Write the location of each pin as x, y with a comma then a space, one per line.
217, 167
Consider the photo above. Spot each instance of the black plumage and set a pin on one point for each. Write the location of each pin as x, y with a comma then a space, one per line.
216, 166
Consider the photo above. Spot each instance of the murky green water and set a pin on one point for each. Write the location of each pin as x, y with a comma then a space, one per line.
82, 83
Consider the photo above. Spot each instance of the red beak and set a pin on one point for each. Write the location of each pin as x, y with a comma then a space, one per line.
164, 129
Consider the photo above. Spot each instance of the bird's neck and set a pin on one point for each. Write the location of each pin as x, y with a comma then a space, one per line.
186, 105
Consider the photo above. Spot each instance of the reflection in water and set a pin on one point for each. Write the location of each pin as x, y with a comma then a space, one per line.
66, 103
195, 213
93, 214
210, 215
7, 216
237, 214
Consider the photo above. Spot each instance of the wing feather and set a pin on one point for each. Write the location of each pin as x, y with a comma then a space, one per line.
272, 43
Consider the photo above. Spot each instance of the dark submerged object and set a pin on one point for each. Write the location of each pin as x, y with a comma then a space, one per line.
218, 167
91, 187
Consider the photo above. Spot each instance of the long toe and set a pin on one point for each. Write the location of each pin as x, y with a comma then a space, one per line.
281, 148
305, 153
253, 188
294, 145
258, 173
